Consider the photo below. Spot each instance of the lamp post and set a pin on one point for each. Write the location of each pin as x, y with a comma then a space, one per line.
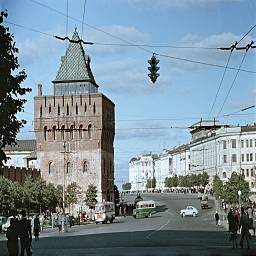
239, 198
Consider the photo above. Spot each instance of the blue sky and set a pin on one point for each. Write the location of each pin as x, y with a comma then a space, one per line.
183, 93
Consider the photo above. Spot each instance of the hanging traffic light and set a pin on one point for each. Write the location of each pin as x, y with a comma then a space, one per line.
153, 68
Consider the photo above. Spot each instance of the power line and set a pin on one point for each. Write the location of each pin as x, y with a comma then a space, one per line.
247, 33
83, 20
230, 88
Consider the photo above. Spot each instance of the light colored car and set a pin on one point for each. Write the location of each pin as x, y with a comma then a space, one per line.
7, 224
189, 211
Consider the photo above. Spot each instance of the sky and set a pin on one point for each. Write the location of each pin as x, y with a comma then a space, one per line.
149, 117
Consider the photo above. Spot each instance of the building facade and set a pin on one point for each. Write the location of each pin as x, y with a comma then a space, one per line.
75, 128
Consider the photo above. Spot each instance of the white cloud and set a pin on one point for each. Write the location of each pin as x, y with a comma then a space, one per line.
183, 3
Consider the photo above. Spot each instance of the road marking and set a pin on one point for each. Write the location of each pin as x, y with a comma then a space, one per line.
160, 228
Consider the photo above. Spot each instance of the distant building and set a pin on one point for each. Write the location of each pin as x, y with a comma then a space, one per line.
141, 169
221, 150
75, 128
22, 154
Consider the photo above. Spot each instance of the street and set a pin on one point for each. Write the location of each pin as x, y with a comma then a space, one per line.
165, 233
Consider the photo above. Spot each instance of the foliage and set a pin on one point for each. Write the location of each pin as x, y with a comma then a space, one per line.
234, 184
204, 179
127, 186
151, 183
10, 89
217, 186
90, 196
72, 192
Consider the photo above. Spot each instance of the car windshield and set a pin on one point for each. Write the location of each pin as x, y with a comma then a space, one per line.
128, 127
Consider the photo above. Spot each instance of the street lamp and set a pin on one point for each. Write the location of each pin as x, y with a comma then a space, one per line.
239, 198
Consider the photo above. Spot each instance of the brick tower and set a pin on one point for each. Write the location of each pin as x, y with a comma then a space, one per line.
75, 128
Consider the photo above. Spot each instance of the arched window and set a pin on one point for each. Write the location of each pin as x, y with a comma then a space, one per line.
50, 108
63, 132
81, 132
90, 131
76, 109
41, 111
94, 108
224, 175
50, 167
45, 133
85, 166
72, 132
67, 110
58, 109
68, 167
54, 132
85, 107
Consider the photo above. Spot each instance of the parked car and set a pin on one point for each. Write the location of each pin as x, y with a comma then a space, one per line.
3, 220
189, 211
7, 224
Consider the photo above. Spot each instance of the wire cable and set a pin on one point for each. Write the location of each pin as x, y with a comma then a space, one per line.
232, 85
83, 20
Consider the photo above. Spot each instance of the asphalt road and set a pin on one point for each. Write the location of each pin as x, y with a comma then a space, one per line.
166, 233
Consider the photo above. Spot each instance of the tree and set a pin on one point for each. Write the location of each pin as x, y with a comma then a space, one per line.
151, 183
90, 196
234, 184
72, 192
116, 195
127, 186
204, 179
10, 89
217, 186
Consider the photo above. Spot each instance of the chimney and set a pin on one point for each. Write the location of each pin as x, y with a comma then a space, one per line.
39, 89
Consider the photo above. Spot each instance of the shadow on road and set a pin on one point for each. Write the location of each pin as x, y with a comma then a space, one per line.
161, 208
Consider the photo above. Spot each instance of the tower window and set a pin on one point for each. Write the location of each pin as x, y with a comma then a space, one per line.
63, 132
68, 167
81, 132
76, 109
85, 107
94, 108
72, 131
54, 132
90, 131
41, 111
50, 108
58, 109
67, 110
50, 167
45, 133
85, 166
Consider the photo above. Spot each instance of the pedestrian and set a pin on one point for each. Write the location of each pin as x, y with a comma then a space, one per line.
233, 229
250, 215
25, 235
244, 223
230, 216
217, 218
12, 236
59, 222
36, 227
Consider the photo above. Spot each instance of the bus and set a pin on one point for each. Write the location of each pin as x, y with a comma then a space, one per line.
144, 209
104, 212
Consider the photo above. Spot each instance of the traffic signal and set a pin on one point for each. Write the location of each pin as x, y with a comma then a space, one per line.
153, 68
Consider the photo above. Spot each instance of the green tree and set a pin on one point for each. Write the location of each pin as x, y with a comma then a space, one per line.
234, 184
151, 183
91, 196
116, 195
127, 186
72, 193
10, 89
6, 199
217, 186
204, 179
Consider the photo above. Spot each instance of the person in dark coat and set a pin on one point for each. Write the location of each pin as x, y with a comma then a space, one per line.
12, 236
36, 227
230, 217
25, 234
233, 229
244, 223
217, 218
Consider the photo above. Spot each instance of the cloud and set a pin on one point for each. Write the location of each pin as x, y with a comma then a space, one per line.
183, 3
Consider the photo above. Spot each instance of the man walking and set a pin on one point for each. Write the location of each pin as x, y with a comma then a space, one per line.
25, 234
244, 223
217, 218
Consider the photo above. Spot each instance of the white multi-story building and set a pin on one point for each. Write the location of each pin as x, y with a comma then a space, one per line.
141, 169
221, 150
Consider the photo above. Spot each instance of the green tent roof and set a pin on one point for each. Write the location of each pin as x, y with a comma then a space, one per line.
75, 65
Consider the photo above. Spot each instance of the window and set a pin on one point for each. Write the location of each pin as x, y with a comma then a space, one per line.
81, 132
76, 109
224, 144
85, 107
63, 132
233, 143
85, 166
234, 158
247, 172
252, 173
54, 132
50, 108
251, 157
72, 131
224, 158
68, 167
90, 131
247, 143
94, 108
50, 167
45, 133
252, 184
242, 157
224, 175
67, 110
58, 109
250, 143
242, 143
247, 157
242, 172
41, 112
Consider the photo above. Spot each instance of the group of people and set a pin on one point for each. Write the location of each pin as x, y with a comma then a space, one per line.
243, 222
20, 228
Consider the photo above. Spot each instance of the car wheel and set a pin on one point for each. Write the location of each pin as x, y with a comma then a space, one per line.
194, 214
